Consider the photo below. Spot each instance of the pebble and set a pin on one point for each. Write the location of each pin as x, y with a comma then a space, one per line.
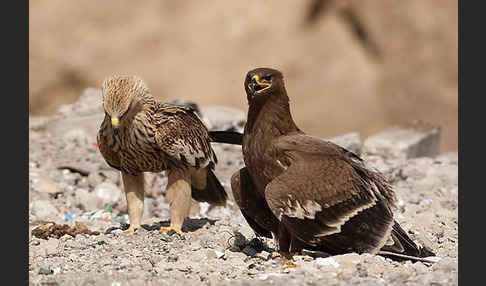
43, 210
149, 257
108, 192
87, 200
326, 261
136, 253
94, 179
46, 185
264, 255
250, 251
45, 271
51, 245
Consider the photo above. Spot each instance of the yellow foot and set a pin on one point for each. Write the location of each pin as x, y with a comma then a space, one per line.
130, 229
275, 254
168, 229
288, 265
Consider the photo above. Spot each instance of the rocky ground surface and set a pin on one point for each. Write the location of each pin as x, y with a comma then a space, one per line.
70, 184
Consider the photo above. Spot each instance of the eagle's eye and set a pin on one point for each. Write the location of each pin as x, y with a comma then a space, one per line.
267, 78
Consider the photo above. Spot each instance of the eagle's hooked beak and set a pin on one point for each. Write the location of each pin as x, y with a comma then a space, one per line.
257, 86
115, 123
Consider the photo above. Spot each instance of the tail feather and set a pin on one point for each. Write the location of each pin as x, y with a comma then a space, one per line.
214, 193
403, 247
229, 137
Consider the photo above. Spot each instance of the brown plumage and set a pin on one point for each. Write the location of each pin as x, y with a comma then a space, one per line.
307, 192
140, 134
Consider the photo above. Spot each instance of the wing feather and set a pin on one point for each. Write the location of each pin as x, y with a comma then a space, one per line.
322, 188
252, 205
182, 136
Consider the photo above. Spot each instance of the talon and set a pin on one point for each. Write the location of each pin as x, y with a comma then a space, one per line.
275, 254
130, 229
288, 265
168, 229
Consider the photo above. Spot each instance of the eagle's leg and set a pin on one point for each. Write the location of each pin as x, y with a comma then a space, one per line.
179, 196
296, 245
284, 242
199, 178
133, 186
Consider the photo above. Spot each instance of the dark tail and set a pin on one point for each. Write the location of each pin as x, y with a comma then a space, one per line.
229, 137
214, 192
403, 247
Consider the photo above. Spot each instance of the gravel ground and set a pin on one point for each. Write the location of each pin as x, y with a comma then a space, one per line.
69, 183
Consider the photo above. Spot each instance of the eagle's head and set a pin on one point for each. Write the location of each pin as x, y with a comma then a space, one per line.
261, 83
120, 93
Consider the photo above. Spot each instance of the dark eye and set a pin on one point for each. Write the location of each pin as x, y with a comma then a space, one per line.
267, 78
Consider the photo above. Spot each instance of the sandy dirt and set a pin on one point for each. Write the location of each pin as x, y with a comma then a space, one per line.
349, 65
70, 184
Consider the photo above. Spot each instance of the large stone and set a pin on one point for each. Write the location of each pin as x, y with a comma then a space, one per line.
416, 139
87, 200
50, 246
224, 117
46, 185
108, 192
43, 210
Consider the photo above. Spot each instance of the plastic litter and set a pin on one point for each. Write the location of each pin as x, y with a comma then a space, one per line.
104, 214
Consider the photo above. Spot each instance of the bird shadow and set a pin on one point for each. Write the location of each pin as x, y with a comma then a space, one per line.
239, 243
189, 225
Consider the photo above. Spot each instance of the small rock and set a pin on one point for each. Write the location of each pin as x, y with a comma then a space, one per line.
416, 139
347, 260
219, 254
46, 185
43, 210
108, 192
250, 251
87, 201
147, 266
136, 253
56, 270
326, 262
235, 255
264, 255
45, 271
203, 208
112, 176
94, 179
361, 270
213, 254
51, 245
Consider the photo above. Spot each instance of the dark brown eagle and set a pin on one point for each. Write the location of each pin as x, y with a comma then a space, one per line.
140, 134
310, 193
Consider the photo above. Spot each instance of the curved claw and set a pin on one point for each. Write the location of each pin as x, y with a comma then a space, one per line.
168, 229
287, 265
275, 254
130, 229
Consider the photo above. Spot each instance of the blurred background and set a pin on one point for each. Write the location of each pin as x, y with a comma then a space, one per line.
349, 65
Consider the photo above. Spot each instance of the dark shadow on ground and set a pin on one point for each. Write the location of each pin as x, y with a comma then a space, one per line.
189, 225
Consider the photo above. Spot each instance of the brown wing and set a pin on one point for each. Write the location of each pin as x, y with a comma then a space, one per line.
107, 145
323, 187
252, 205
182, 136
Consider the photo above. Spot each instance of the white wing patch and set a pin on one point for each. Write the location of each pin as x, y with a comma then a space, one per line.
295, 209
345, 217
